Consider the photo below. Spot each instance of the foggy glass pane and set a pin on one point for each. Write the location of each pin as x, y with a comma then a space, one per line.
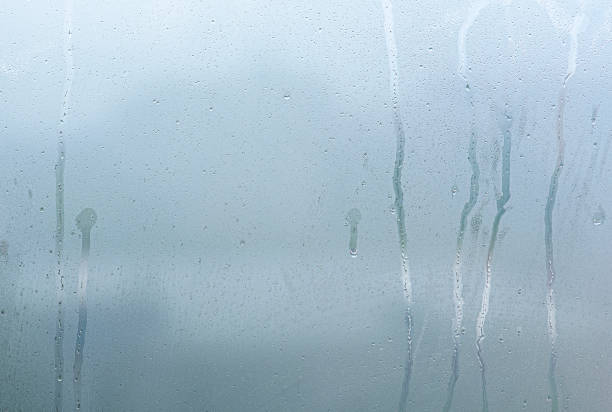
247, 205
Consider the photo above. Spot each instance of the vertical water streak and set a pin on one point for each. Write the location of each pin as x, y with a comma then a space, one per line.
4, 248
573, 52
419, 338
458, 276
8, 316
59, 277
353, 217
473, 12
399, 194
588, 179
604, 156
550, 204
557, 15
59, 209
522, 126
604, 32
85, 220
486, 292
548, 244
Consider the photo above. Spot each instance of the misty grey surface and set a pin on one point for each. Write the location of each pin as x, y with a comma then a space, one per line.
222, 145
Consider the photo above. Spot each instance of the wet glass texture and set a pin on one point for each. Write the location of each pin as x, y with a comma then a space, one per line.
245, 205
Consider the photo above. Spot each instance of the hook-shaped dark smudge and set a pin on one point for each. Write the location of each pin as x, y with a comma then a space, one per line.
352, 218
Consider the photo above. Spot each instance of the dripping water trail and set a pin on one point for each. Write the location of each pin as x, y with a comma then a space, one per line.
59, 212
474, 10
405, 264
399, 194
548, 244
352, 218
606, 149
85, 220
550, 204
486, 292
59, 277
458, 276
586, 184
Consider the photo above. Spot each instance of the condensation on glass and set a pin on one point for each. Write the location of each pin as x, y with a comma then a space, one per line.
321, 206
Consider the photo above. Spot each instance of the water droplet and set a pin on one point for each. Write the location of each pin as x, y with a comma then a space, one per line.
599, 216
454, 190
286, 96
242, 242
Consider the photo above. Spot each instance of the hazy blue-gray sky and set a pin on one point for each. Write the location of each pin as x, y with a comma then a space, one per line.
222, 145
